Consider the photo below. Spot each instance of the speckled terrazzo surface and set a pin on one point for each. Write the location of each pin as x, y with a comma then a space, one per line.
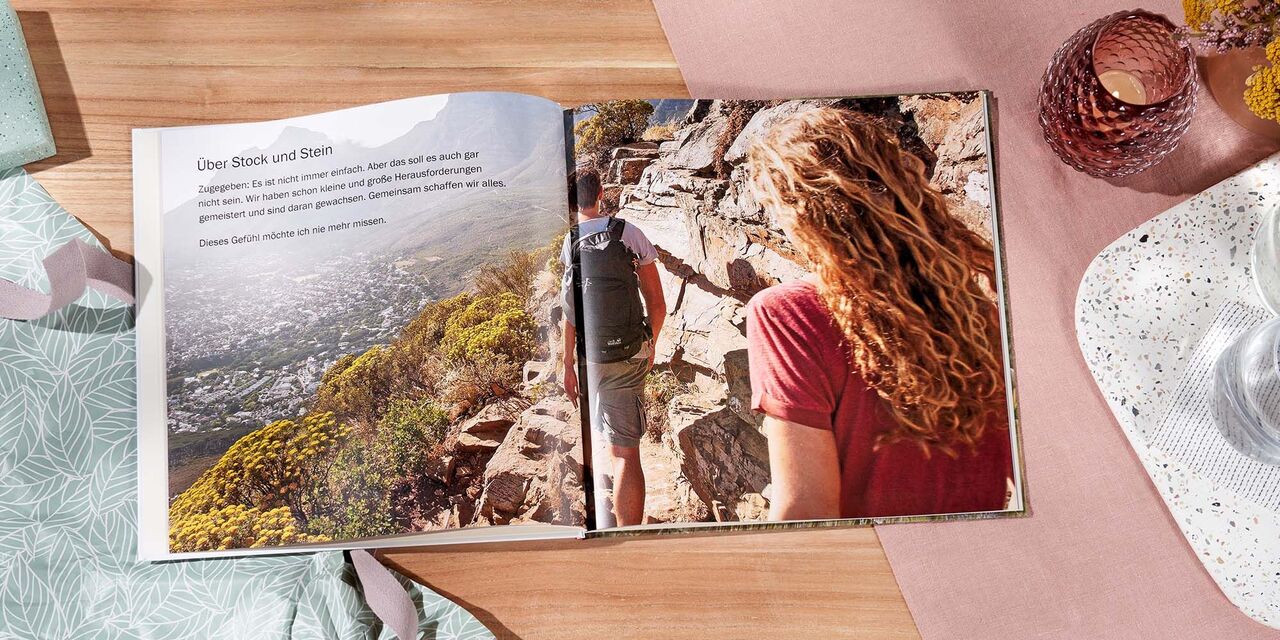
24, 127
1143, 307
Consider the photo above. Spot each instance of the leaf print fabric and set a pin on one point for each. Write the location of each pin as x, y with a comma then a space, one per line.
68, 503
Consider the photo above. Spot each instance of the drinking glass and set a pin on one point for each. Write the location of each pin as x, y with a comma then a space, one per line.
1245, 396
1266, 259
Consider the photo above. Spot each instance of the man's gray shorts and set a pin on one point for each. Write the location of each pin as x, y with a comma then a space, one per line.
615, 391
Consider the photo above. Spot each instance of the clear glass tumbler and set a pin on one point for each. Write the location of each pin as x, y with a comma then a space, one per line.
1266, 259
1246, 393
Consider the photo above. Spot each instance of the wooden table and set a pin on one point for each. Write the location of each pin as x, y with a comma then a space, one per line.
110, 65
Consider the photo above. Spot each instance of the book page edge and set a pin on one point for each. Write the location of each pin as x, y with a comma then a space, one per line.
148, 243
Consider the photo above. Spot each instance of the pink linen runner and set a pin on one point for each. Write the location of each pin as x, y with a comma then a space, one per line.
1099, 557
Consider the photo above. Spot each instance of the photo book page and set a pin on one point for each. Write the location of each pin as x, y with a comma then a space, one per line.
792, 311
337, 315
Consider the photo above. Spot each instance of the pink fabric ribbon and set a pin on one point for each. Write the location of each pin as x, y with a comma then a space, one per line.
385, 595
71, 269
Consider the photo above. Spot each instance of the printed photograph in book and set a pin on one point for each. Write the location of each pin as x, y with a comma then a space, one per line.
788, 310
353, 302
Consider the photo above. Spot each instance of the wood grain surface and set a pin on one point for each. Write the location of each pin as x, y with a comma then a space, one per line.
110, 65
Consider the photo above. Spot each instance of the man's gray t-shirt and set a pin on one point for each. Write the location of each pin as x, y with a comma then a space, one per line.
632, 237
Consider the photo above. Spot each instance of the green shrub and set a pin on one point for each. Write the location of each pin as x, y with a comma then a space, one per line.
411, 432
615, 122
494, 325
355, 497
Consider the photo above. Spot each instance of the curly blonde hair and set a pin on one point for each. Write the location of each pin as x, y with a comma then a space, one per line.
906, 282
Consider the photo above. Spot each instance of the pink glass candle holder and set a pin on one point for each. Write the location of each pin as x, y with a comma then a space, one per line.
1118, 95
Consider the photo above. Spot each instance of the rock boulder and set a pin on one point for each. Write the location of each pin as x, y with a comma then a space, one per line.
699, 141
628, 162
954, 127
485, 431
535, 474
723, 457
762, 121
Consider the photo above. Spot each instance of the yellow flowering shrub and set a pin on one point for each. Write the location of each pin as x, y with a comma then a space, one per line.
237, 527
490, 325
427, 329
357, 392
254, 494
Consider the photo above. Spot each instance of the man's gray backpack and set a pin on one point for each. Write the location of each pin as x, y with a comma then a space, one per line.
616, 326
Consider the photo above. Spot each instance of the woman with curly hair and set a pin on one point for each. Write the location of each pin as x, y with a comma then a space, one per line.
880, 376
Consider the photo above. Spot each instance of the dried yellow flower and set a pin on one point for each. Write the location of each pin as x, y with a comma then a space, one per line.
1197, 12
1226, 6
1262, 93
1273, 51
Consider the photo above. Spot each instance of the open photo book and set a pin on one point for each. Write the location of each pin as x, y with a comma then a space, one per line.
486, 316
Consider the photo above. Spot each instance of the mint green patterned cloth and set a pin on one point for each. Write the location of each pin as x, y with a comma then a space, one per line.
67, 490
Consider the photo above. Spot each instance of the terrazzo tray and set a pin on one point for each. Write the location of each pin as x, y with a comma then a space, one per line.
1151, 312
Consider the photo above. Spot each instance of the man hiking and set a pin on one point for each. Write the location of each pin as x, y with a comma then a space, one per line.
614, 265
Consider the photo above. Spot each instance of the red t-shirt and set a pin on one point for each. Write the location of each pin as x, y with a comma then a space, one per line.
800, 372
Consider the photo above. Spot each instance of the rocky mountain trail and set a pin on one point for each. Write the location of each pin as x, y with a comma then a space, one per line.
669, 497
522, 461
